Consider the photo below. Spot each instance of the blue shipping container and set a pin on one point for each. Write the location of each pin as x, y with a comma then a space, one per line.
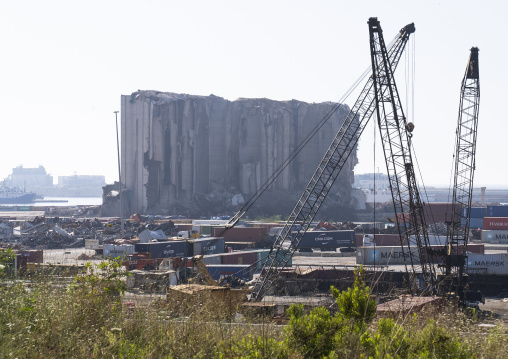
327, 239
219, 270
166, 249
475, 223
497, 211
476, 212
205, 246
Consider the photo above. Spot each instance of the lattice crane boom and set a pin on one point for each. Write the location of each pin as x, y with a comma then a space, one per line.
325, 175
396, 140
464, 166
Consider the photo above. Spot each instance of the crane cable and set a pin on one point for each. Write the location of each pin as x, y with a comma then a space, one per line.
300, 147
410, 72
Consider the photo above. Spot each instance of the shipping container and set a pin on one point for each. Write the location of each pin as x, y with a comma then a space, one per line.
91, 243
494, 236
433, 240
113, 250
476, 248
241, 271
495, 223
184, 227
436, 212
33, 255
241, 234
384, 255
212, 259
474, 222
210, 222
497, 211
262, 256
476, 212
245, 257
327, 239
358, 239
394, 240
386, 240
266, 225
240, 246
202, 229
163, 249
203, 246
496, 264
394, 255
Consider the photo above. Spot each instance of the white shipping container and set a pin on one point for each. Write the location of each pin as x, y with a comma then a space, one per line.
494, 236
487, 264
114, 250
384, 255
91, 243
433, 240
210, 222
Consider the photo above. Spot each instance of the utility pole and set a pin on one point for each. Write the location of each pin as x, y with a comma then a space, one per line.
119, 172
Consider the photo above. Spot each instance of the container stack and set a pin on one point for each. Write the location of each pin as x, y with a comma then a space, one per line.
327, 239
476, 216
242, 234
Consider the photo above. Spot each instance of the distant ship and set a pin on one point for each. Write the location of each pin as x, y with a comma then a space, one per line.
10, 195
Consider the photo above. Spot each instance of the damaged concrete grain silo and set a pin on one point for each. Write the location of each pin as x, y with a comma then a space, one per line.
204, 155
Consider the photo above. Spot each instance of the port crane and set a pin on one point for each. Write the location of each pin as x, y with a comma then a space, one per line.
325, 175
464, 166
396, 134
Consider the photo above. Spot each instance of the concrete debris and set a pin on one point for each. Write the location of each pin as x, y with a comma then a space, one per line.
57, 232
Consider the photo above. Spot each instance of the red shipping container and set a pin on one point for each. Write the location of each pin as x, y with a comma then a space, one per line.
495, 223
476, 248
33, 255
241, 234
184, 226
359, 239
436, 212
21, 261
239, 258
386, 240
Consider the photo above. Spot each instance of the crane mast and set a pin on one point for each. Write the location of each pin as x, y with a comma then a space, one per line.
396, 140
464, 166
325, 175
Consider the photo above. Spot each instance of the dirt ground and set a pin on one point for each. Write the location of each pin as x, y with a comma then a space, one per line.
498, 306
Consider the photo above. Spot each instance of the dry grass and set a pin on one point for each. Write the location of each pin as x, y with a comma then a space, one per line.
52, 321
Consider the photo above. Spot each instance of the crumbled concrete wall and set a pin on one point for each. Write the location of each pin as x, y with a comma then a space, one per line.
200, 155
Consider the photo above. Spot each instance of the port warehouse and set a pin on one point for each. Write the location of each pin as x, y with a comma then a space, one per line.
487, 263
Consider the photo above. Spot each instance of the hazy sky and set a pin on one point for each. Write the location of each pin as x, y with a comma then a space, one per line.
65, 64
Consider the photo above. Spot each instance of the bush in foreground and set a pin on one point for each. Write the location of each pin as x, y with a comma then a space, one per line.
87, 320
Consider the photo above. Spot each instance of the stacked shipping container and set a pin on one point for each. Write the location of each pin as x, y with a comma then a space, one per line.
241, 234
495, 225
394, 255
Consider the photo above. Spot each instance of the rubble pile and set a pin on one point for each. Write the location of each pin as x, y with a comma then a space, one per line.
66, 232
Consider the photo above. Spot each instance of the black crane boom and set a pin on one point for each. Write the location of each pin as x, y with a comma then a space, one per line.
464, 166
396, 140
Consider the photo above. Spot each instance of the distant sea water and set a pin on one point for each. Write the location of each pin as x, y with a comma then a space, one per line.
68, 201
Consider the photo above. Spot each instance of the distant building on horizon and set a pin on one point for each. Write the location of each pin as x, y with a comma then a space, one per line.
29, 179
75, 181
38, 181
371, 181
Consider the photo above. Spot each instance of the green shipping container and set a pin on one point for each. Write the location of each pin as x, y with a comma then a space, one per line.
263, 255
24, 208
